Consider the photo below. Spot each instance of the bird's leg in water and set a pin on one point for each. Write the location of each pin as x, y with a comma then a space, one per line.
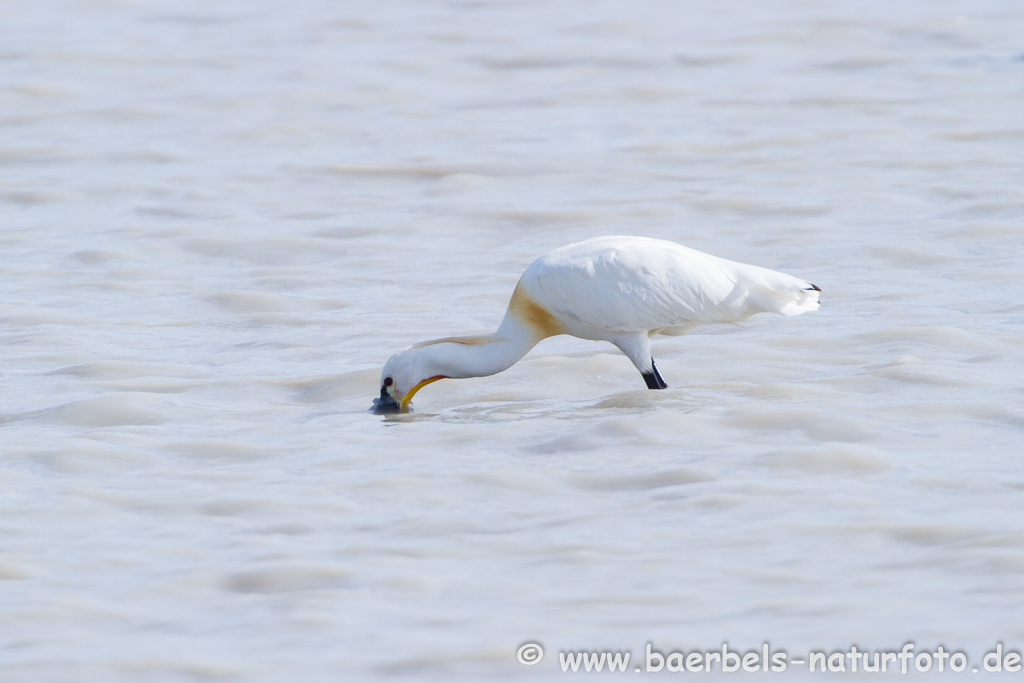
653, 378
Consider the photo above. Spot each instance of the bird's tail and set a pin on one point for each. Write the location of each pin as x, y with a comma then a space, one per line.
774, 292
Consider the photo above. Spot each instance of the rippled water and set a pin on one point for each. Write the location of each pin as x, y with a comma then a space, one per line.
220, 219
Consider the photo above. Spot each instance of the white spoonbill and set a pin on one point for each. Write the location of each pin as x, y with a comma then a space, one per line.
623, 290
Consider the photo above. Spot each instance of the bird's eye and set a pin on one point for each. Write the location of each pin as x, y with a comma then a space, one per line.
388, 381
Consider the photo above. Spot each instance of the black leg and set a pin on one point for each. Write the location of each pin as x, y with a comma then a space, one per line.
653, 378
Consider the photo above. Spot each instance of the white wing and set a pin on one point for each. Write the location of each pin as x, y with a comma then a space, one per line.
632, 284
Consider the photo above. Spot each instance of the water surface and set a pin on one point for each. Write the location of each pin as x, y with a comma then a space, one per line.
220, 219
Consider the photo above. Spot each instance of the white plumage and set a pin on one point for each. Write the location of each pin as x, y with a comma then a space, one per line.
623, 290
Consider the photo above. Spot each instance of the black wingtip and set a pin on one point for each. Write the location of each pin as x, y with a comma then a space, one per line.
816, 288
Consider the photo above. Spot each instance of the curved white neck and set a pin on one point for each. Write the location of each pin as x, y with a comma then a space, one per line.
462, 357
